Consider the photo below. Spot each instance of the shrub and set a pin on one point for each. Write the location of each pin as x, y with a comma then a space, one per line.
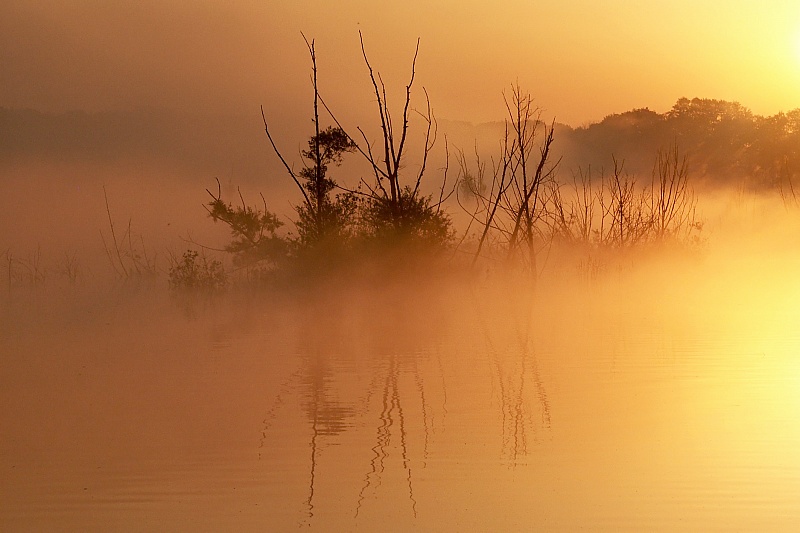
253, 230
195, 271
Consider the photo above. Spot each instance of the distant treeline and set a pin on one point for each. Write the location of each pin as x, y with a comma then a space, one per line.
204, 144
81, 135
725, 142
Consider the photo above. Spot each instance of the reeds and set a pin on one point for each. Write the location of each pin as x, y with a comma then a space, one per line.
34, 270
127, 255
615, 211
522, 209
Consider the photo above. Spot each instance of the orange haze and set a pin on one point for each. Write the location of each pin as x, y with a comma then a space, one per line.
582, 60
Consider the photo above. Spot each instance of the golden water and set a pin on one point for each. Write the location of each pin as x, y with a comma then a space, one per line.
457, 408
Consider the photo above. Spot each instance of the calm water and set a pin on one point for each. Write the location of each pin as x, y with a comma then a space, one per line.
441, 410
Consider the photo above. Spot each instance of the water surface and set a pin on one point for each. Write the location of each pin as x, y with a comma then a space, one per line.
446, 408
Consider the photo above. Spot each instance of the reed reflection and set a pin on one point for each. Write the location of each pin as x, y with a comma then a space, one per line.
506, 327
390, 404
369, 372
326, 415
401, 342
372, 377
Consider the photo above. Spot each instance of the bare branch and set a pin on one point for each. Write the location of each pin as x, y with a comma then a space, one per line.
278, 153
400, 147
385, 127
368, 154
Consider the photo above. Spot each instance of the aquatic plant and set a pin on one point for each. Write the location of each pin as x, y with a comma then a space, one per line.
253, 230
127, 254
194, 271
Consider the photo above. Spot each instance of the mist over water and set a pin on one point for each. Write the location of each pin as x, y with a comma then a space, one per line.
656, 392
598, 373
533, 323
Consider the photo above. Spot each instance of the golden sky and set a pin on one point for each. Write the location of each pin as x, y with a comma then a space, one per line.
580, 59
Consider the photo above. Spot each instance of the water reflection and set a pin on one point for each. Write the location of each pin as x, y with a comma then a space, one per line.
314, 382
391, 416
326, 415
507, 327
483, 410
362, 369
373, 378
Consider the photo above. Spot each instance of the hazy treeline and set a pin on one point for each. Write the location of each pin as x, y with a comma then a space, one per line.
726, 143
220, 144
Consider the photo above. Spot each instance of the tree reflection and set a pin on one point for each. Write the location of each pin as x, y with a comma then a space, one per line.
327, 416
506, 327
380, 376
391, 407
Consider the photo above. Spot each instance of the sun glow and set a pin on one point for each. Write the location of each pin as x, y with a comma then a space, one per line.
796, 46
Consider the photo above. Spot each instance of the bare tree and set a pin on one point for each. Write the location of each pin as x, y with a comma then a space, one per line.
617, 212
391, 208
321, 216
672, 202
624, 215
394, 204
512, 211
574, 222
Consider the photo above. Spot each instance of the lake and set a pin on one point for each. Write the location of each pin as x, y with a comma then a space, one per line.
664, 400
